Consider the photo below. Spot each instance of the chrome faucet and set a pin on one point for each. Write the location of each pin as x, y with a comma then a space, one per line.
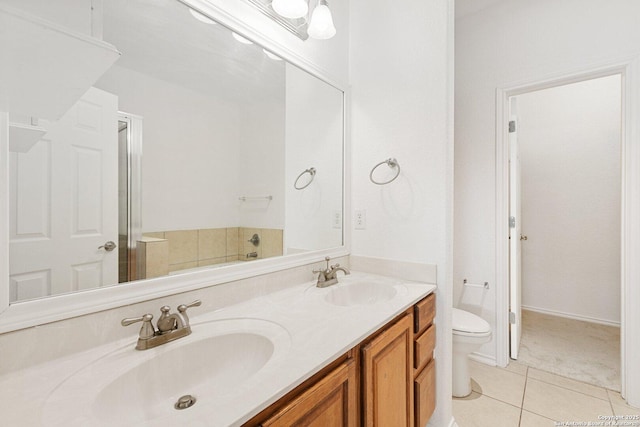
170, 326
328, 276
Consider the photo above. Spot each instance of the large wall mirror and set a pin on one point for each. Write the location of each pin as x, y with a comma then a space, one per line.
196, 150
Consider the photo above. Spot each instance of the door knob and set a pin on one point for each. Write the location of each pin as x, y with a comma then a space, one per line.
109, 246
523, 237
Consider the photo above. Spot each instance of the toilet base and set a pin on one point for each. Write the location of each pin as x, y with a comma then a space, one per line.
461, 375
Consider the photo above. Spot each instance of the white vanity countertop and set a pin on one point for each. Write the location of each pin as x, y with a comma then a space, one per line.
314, 333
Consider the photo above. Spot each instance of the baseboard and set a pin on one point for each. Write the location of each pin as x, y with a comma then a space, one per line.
571, 316
483, 358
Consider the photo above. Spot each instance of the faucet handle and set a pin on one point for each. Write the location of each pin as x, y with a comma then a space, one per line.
147, 330
182, 308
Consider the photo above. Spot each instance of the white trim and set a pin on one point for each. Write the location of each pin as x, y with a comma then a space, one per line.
4, 211
502, 228
571, 316
37, 312
629, 68
453, 423
631, 235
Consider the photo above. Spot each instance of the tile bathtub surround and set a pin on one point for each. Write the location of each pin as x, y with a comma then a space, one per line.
521, 396
24, 348
210, 246
153, 257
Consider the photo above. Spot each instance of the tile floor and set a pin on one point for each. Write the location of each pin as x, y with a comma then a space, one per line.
521, 396
584, 351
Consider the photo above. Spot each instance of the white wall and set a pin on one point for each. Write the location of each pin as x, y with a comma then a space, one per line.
400, 74
569, 139
314, 128
513, 42
190, 148
73, 14
261, 163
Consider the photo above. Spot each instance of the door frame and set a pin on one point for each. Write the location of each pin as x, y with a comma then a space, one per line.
134, 184
629, 69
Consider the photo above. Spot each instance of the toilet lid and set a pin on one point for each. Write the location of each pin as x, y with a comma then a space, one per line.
464, 321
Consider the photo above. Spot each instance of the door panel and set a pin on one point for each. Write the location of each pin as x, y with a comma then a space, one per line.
64, 203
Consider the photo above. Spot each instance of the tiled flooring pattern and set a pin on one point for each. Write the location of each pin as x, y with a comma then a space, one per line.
584, 351
520, 396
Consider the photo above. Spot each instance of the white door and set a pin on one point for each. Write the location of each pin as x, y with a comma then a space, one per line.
64, 203
515, 242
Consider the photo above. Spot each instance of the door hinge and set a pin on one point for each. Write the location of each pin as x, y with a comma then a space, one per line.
512, 126
512, 222
512, 318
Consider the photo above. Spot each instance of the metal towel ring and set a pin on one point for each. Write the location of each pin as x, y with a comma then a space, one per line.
393, 163
310, 171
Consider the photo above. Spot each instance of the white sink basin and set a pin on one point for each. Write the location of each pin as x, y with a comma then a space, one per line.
360, 293
130, 387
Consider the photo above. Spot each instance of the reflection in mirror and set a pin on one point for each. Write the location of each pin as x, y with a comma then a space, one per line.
183, 155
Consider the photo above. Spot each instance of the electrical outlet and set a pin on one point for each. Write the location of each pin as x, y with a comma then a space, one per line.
336, 219
361, 219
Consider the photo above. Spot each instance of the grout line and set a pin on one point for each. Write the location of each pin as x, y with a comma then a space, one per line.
576, 391
613, 412
524, 392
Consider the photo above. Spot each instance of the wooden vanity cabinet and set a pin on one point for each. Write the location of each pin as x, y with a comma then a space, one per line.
332, 401
387, 376
424, 383
387, 380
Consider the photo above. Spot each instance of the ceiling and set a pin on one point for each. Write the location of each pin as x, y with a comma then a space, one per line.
161, 38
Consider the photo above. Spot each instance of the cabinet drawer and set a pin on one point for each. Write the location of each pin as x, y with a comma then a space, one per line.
425, 311
425, 394
423, 347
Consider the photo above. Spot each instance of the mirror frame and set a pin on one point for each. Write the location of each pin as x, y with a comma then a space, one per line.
26, 314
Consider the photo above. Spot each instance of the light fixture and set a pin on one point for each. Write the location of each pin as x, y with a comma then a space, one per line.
200, 17
241, 39
271, 55
291, 9
304, 18
321, 25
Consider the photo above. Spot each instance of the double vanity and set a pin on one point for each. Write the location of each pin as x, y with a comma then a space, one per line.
358, 349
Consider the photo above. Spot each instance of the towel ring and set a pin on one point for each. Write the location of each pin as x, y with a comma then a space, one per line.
392, 163
311, 172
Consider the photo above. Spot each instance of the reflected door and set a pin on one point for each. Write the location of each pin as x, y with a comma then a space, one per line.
64, 203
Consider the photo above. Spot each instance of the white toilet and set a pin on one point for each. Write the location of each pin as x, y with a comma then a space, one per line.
469, 333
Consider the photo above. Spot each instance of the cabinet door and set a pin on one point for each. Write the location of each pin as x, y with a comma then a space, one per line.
388, 377
331, 402
425, 388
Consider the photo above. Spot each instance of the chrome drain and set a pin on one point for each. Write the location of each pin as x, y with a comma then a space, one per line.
186, 401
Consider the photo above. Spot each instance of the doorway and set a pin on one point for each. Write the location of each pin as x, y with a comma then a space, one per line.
629, 68
565, 209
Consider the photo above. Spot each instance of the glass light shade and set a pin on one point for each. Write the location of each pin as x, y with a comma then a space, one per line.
290, 8
321, 26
